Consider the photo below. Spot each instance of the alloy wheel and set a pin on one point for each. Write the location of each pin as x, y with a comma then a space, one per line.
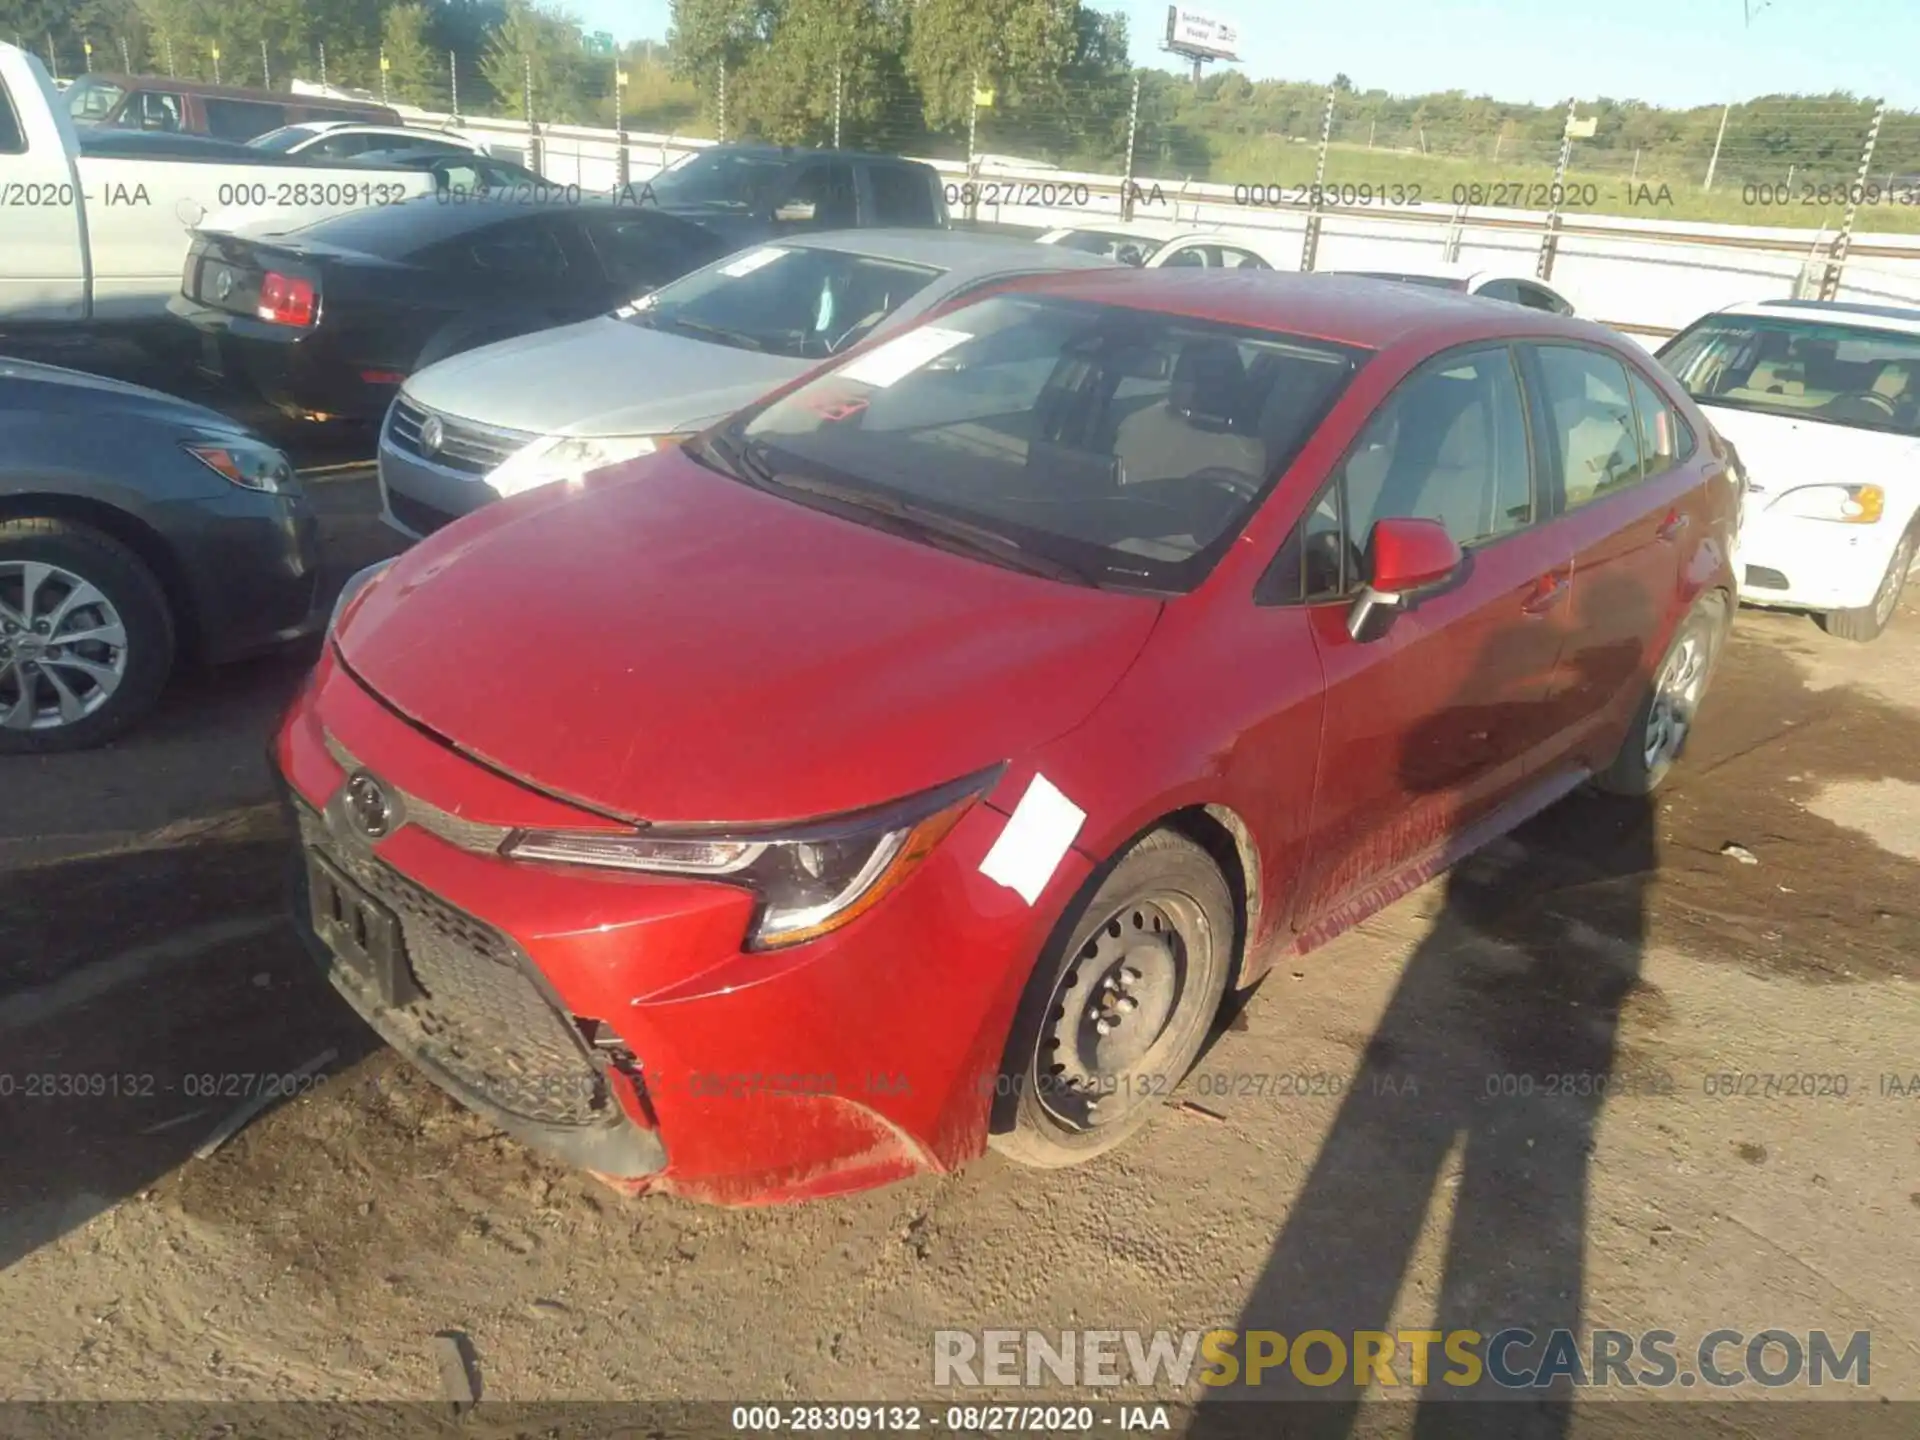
63, 647
1676, 696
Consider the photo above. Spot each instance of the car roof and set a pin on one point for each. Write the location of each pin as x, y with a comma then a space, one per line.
1903, 320
802, 152
1345, 309
237, 92
952, 249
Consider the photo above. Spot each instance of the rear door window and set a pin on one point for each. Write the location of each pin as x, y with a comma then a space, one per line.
241, 119
156, 110
819, 197
901, 196
1591, 402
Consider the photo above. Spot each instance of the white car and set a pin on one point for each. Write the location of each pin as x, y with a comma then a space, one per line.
347, 139
1822, 400
1131, 242
1279, 250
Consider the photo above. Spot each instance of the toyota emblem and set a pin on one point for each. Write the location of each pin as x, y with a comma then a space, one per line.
431, 434
223, 287
367, 806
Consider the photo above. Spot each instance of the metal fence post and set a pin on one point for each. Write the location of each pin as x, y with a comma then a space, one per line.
533, 147
453, 82
86, 48
972, 188
1133, 134
323, 65
837, 90
53, 59
266, 69
622, 167
173, 73
1550, 239
1714, 163
126, 60
1310, 244
723, 102
1837, 261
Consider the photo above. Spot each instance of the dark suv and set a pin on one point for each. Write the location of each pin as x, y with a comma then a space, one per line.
747, 193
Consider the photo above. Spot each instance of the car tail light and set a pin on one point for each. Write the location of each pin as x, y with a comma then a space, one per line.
285, 300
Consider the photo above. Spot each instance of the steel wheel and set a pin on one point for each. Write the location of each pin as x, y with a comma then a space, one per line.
1112, 1009
63, 647
1676, 696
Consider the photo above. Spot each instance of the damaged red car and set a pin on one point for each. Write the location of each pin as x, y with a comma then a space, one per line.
915, 761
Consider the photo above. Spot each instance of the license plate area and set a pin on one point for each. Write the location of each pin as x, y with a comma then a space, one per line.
364, 935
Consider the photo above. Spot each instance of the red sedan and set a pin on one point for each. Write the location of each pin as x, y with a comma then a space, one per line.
918, 758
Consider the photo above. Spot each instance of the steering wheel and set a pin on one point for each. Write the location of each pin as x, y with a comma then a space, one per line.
1237, 483
1864, 404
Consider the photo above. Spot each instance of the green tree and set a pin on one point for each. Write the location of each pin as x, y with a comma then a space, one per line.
954, 45
413, 71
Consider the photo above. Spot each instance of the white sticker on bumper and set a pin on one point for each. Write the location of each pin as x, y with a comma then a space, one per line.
1038, 834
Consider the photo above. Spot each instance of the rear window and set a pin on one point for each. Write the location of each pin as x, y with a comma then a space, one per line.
89, 99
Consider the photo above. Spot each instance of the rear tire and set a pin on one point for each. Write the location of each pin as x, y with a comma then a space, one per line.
86, 637
1664, 717
1147, 957
1866, 622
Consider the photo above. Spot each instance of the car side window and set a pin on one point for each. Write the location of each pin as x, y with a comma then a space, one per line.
527, 248
241, 119
154, 110
340, 147
1233, 258
13, 140
1588, 395
1187, 255
1538, 297
901, 196
638, 250
1659, 427
1507, 290
819, 197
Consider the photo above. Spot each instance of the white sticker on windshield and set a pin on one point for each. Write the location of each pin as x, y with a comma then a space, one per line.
752, 261
1036, 840
902, 356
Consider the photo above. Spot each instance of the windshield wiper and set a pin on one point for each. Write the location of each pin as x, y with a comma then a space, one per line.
927, 525
719, 332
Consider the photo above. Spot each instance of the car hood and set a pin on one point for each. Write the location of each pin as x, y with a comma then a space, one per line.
662, 643
1781, 453
600, 377
53, 390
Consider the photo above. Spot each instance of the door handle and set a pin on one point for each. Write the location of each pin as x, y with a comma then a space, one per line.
1548, 591
1673, 526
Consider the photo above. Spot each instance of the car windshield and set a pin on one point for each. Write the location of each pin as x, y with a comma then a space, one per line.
285, 138
734, 178
807, 302
89, 99
1808, 369
1120, 447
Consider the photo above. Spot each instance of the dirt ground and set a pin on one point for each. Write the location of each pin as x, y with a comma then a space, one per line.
317, 1254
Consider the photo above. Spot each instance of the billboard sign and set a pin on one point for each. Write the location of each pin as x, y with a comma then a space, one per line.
1201, 36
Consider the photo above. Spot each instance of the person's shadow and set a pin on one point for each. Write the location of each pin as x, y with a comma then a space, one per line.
1479, 1090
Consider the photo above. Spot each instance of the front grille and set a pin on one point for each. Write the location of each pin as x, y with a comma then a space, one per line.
454, 829
466, 447
483, 1021
1762, 577
416, 515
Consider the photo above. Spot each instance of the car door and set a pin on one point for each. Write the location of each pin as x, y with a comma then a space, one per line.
1626, 498
897, 195
1437, 715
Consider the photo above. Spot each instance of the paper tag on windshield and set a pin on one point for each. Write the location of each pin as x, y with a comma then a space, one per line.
1036, 840
903, 355
751, 262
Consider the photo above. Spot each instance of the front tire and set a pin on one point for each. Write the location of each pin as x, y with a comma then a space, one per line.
1665, 714
1118, 1009
1867, 621
86, 637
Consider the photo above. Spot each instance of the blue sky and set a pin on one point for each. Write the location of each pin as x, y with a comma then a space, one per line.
1671, 52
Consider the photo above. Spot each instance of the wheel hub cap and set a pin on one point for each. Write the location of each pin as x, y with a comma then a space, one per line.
1676, 695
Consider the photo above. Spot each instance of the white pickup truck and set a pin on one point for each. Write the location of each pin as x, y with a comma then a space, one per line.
100, 239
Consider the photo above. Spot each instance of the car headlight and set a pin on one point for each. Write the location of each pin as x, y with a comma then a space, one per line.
567, 457
250, 464
810, 879
352, 590
1844, 504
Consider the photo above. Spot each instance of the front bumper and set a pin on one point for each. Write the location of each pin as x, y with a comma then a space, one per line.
1819, 565
733, 1077
253, 562
418, 497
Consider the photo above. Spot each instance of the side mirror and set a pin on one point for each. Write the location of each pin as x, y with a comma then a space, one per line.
1408, 555
795, 212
